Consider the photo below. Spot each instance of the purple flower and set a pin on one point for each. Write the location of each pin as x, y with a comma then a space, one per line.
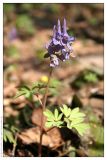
59, 48
65, 37
54, 61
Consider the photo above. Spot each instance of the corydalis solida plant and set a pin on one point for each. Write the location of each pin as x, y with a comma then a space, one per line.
59, 48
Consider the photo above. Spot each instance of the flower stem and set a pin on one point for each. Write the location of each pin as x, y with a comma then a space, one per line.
42, 117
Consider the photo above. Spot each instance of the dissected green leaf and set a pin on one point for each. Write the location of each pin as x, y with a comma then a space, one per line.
19, 94
60, 116
68, 124
65, 110
26, 91
48, 114
75, 110
77, 121
14, 129
81, 128
76, 115
8, 135
53, 119
54, 124
73, 118
58, 124
4, 135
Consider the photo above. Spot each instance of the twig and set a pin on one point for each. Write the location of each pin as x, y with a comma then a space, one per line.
39, 100
42, 117
50, 129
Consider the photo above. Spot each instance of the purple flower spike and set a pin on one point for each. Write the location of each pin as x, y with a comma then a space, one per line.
66, 38
54, 31
59, 47
59, 27
55, 34
64, 28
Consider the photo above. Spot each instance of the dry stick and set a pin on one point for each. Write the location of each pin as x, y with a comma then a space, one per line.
42, 116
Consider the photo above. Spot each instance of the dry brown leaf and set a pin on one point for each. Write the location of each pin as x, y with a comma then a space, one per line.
32, 135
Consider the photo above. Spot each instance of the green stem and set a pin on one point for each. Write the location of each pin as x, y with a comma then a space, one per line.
42, 117
14, 146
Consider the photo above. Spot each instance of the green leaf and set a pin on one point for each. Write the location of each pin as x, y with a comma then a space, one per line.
75, 111
58, 124
14, 129
60, 116
24, 90
25, 87
46, 55
28, 94
35, 85
4, 135
19, 94
68, 123
49, 124
8, 135
56, 114
48, 114
65, 110
81, 128
80, 114
76, 115
53, 119
91, 77
77, 121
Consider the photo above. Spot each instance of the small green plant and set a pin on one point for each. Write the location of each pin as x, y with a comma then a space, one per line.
72, 119
38, 88
58, 49
85, 77
26, 91
91, 77
9, 134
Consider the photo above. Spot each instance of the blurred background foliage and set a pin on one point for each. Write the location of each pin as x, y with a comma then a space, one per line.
29, 16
